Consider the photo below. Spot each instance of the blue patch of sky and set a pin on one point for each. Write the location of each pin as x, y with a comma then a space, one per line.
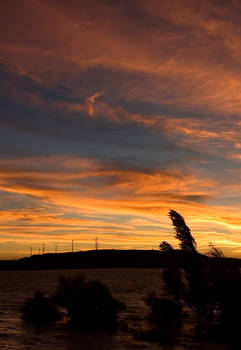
12, 201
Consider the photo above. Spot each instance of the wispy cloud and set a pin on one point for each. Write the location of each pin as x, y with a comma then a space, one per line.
97, 187
91, 100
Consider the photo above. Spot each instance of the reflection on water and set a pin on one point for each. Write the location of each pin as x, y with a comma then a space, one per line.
128, 285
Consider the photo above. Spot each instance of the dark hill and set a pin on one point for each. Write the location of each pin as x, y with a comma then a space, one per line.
102, 259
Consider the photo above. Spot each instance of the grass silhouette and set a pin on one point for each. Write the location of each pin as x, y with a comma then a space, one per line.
206, 288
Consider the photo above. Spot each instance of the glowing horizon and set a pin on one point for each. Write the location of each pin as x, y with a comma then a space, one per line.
113, 113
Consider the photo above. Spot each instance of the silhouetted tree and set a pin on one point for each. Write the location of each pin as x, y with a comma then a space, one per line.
193, 290
215, 252
165, 247
182, 232
210, 287
171, 275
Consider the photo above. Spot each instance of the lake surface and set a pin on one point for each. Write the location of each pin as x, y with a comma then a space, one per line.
128, 285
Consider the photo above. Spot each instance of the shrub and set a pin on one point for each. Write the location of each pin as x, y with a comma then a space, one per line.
228, 295
164, 310
40, 310
90, 304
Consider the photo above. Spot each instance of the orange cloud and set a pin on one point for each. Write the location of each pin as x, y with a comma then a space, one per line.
194, 75
90, 102
99, 193
211, 134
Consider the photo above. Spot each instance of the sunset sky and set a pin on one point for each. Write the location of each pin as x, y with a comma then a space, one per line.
111, 114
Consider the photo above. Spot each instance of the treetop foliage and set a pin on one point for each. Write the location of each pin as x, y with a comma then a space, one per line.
165, 246
182, 232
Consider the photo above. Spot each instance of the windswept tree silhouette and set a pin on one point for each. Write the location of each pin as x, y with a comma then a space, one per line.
215, 252
165, 246
182, 232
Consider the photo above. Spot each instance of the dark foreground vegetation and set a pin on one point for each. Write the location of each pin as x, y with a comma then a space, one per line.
87, 304
40, 310
204, 291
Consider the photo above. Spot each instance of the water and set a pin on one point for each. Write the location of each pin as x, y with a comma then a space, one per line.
128, 285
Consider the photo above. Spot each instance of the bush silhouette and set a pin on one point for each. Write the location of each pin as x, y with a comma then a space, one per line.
40, 310
90, 304
164, 310
165, 247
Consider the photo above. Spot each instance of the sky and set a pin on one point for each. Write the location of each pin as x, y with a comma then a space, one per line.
111, 114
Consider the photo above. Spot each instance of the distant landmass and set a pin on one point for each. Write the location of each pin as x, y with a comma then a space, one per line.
106, 258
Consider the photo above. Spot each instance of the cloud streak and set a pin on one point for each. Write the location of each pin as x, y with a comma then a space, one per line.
91, 189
